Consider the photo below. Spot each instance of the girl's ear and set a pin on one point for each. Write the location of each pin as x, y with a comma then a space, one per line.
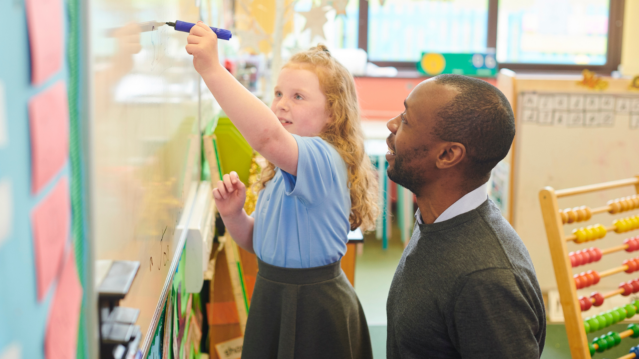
330, 118
328, 113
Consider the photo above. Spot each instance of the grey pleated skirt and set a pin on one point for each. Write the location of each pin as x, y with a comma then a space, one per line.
305, 313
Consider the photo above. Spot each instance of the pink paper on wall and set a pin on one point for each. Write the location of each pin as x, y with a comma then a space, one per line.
51, 225
49, 122
62, 327
46, 38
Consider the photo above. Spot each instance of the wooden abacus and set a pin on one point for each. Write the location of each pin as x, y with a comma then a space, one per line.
564, 262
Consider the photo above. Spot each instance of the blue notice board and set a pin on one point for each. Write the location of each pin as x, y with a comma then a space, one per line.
23, 317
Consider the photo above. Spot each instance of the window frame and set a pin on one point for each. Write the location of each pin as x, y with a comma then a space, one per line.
613, 51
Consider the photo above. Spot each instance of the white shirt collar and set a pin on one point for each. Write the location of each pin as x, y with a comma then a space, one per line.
465, 204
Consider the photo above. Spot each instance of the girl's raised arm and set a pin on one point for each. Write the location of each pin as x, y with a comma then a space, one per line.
252, 117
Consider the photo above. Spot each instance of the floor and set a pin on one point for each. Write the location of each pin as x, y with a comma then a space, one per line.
373, 275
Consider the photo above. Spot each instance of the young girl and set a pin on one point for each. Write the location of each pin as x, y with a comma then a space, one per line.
319, 185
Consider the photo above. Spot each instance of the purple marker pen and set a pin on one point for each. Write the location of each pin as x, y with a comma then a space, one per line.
184, 26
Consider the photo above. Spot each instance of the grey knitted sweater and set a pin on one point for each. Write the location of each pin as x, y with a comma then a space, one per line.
466, 288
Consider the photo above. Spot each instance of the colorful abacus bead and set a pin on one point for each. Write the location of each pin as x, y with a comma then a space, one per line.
583, 213
611, 340
632, 223
595, 323
586, 279
596, 254
615, 207
633, 350
632, 264
623, 204
603, 323
623, 313
601, 230
579, 258
616, 317
580, 235
585, 304
631, 310
635, 330
633, 244
575, 261
601, 342
627, 288
598, 297
615, 337
590, 233
626, 224
585, 256
576, 214
609, 319
591, 347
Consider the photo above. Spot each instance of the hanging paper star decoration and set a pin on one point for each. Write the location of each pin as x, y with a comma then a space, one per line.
340, 6
315, 20
251, 38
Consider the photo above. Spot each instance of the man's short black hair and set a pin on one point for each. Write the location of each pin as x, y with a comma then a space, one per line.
480, 118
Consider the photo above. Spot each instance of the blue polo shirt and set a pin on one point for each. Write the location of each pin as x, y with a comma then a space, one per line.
302, 221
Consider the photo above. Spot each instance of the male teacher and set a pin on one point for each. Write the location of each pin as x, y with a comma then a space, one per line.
465, 286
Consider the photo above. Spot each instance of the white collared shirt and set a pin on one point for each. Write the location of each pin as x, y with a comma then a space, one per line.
470, 201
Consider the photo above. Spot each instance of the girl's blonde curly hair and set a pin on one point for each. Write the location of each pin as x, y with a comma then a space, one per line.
344, 132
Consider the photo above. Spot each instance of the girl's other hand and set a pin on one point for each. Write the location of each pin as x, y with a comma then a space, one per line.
230, 195
202, 44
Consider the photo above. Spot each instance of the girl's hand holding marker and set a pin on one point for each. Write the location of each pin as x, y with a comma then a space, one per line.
202, 44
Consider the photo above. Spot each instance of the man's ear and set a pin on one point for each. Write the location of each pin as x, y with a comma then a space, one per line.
450, 154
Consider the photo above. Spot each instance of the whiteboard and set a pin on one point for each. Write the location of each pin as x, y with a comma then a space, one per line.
146, 109
597, 141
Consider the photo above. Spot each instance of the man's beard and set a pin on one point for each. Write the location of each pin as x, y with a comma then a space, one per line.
411, 180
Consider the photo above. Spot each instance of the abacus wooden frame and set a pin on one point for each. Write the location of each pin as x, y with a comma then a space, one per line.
577, 340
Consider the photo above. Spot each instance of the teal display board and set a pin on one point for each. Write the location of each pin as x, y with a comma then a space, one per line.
25, 311
481, 65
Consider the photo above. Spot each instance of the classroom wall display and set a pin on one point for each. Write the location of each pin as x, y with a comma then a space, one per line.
567, 136
45, 23
578, 109
42, 246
